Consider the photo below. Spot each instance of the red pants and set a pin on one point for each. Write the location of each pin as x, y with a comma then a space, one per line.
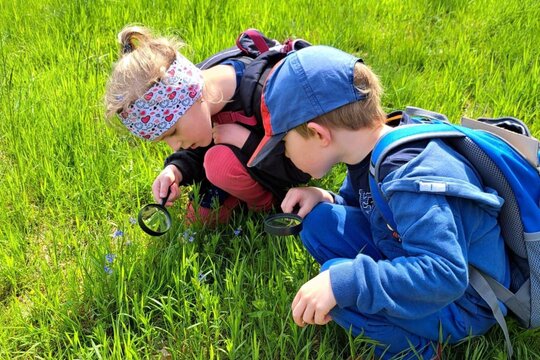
224, 170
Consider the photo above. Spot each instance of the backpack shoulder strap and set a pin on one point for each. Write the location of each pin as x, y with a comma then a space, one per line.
479, 283
229, 53
252, 83
397, 137
256, 73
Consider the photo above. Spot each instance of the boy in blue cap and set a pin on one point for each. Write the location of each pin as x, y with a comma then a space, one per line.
409, 288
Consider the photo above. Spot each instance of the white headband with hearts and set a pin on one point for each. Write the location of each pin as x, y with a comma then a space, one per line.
165, 102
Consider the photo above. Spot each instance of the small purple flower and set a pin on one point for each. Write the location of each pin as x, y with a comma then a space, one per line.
189, 236
108, 270
118, 233
132, 220
238, 231
110, 258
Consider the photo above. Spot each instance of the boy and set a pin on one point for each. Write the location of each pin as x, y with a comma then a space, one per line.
408, 289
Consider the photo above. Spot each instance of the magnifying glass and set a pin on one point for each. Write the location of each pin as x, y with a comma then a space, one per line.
154, 219
283, 224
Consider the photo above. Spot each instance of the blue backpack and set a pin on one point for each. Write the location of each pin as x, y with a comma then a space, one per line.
491, 146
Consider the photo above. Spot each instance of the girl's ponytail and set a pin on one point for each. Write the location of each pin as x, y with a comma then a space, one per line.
132, 37
143, 60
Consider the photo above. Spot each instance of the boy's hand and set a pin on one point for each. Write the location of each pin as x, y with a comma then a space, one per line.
169, 177
232, 134
306, 197
314, 301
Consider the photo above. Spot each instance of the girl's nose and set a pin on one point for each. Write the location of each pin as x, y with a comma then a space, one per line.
173, 144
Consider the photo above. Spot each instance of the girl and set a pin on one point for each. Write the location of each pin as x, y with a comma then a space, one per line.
159, 95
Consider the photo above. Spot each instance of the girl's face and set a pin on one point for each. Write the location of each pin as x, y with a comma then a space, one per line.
192, 130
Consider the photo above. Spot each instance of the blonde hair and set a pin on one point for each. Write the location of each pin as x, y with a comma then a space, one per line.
365, 113
144, 59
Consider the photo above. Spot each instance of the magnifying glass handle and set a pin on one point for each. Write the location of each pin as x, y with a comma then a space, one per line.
164, 200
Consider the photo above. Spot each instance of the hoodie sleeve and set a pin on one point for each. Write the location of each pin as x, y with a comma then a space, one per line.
190, 164
432, 275
445, 219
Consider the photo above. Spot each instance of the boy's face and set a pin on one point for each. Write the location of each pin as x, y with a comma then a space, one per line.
307, 154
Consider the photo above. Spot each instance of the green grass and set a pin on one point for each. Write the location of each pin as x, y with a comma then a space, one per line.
68, 182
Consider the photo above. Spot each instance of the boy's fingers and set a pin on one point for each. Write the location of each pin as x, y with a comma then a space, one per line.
287, 204
295, 301
320, 318
284, 205
309, 314
298, 309
302, 212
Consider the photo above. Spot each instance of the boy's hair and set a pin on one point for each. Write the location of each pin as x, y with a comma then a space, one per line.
144, 59
365, 113
317, 83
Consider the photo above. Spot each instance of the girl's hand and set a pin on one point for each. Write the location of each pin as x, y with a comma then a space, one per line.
314, 301
306, 197
232, 134
169, 177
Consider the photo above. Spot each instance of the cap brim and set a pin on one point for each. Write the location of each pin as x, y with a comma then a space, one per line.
267, 144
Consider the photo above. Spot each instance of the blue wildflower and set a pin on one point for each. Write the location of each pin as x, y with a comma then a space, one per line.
238, 231
189, 236
118, 233
110, 258
108, 270
132, 220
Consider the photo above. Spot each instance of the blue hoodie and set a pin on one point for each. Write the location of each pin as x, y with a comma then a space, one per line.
445, 220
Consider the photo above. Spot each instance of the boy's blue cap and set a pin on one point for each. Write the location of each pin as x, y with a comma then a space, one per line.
304, 85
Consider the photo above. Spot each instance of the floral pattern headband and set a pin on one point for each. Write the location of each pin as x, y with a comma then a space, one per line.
165, 102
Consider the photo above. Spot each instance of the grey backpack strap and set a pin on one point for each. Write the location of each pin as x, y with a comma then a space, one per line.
479, 283
518, 303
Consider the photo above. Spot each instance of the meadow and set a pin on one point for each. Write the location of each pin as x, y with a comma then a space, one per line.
80, 280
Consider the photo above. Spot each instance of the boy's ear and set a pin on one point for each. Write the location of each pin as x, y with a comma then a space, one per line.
320, 132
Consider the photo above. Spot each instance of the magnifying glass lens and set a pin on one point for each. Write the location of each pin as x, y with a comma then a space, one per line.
283, 224
154, 219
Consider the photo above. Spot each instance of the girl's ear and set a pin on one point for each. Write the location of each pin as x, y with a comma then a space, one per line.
322, 133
